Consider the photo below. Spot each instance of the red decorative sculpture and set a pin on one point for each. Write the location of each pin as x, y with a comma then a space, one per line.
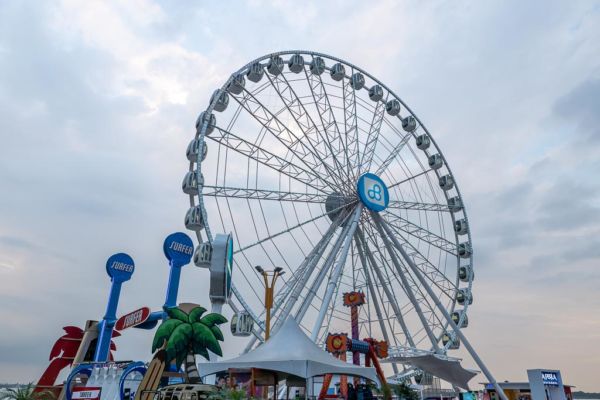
62, 355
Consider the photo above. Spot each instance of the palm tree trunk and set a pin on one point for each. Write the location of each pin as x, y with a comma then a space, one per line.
190, 368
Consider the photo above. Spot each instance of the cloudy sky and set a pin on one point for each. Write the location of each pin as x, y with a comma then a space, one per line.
98, 101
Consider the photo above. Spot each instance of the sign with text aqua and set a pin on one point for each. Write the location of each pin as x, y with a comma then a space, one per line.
550, 378
178, 248
120, 267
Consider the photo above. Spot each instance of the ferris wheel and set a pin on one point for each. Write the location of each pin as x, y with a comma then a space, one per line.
317, 167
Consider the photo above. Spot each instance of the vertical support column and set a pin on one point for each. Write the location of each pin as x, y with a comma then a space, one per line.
419, 275
119, 267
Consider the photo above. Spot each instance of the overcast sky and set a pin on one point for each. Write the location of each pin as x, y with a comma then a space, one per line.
98, 102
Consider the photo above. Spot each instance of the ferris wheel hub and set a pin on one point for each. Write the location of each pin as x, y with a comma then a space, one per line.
373, 192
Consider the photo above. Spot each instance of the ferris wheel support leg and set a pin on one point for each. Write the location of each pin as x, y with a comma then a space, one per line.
313, 260
386, 289
373, 295
333, 279
405, 283
439, 305
312, 292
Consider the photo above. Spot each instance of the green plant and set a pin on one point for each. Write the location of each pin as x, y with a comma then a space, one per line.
25, 392
183, 335
386, 391
229, 394
403, 391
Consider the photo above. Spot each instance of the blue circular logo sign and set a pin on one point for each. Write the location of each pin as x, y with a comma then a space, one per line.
179, 248
120, 267
373, 193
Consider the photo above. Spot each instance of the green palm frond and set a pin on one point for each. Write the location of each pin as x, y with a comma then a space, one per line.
180, 357
176, 313
201, 350
217, 332
164, 332
195, 314
213, 319
179, 341
205, 337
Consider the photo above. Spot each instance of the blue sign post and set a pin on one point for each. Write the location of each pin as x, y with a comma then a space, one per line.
178, 249
119, 267
372, 192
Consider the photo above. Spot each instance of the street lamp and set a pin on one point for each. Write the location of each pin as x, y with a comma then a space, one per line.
269, 286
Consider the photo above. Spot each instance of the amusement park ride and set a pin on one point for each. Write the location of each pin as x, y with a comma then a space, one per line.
318, 167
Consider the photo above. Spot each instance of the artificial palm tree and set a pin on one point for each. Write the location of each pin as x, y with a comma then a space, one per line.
184, 335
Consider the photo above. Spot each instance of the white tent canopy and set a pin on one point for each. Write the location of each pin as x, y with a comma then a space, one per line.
448, 370
290, 351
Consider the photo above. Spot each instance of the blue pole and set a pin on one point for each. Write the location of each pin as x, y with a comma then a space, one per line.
178, 248
173, 286
119, 267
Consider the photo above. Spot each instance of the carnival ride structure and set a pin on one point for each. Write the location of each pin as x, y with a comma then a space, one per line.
316, 166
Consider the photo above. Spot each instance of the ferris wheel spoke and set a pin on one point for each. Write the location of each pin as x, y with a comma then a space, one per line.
401, 224
303, 119
285, 136
328, 120
310, 266
288, 296
373, 136
424, 299
390, 277
393, 154
433, 273
413, 205
242, 249
304, 272
264, 194
351, 123
264, 157
363, 247
312, 292
429, 311
405, 283
350, 131
424, 172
